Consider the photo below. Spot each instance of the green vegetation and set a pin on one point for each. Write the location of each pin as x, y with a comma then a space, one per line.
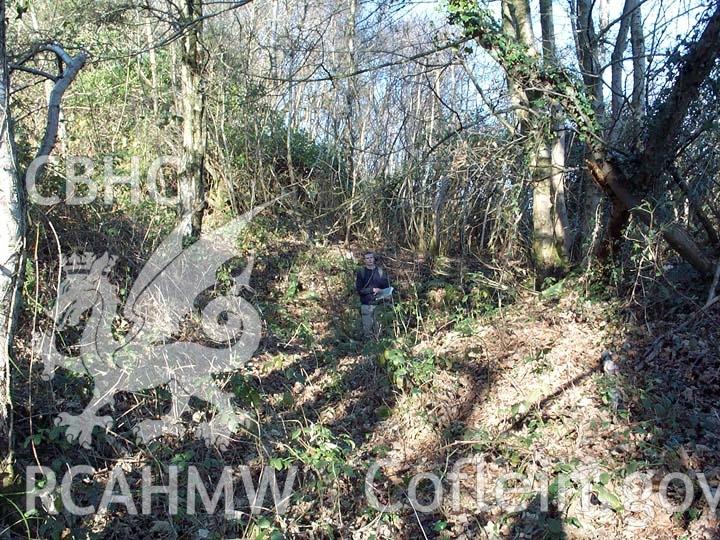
542, 349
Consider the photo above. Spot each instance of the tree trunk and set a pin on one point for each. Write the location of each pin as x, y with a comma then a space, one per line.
192, 176
12, 234
152, 57
616, 60
563, 232
550, 222
637, 40
547, 256
550, 232
548, 30
588, 54
351, 97
520, 10
438, 206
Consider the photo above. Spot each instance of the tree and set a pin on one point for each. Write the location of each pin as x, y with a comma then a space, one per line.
12, 198
12, 231
628, 193
192, 98
545, 147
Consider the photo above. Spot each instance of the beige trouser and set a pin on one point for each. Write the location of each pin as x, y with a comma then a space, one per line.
368, 321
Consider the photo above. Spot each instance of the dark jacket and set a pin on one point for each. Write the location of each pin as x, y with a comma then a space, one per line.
366, 279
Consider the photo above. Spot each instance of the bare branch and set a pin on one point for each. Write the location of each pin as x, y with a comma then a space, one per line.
32, 71
696, 66
61, 84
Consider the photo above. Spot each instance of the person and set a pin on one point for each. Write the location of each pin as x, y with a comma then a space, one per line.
369, 281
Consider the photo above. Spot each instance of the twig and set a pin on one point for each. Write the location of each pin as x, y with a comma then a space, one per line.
459, 443
417, 517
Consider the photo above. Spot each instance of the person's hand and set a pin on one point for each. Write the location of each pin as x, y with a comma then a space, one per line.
376, 290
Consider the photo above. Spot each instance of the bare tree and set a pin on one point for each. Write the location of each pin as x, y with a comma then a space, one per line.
12, 197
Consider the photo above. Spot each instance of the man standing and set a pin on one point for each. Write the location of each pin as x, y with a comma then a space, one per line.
369, 281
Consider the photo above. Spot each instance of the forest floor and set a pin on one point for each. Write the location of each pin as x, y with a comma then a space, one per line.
541, 415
